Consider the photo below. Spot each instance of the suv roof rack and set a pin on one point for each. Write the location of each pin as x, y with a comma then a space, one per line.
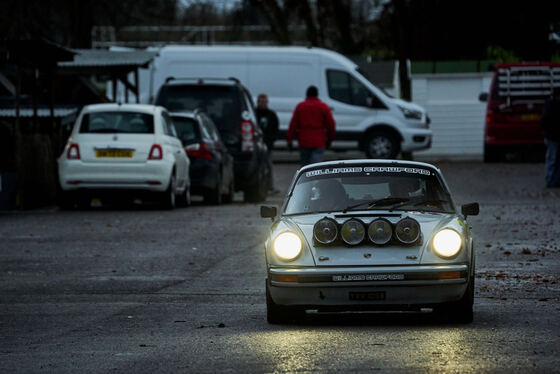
202, 79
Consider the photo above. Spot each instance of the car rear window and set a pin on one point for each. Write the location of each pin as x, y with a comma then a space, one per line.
221, 103
187, 130
117, 122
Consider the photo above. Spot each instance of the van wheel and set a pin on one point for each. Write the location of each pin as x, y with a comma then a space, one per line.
276, 314
382, 144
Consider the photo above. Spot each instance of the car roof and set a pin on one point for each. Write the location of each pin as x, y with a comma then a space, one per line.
366, 162
141, 108
184, 114
181, 81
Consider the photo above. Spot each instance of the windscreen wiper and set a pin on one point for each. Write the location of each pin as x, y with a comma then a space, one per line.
379, 202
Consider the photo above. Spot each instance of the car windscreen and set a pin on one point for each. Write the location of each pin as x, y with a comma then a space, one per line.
221, 103
368, 188
187, 130
117, 122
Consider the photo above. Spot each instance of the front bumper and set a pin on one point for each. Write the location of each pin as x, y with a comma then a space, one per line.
415, 139
79, 175
411, 285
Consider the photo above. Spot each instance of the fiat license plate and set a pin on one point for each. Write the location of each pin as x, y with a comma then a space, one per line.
123, 153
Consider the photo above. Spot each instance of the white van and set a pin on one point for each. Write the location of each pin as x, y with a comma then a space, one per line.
381, 125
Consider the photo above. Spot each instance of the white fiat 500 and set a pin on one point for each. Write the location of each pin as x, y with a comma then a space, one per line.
369, 235
124, 150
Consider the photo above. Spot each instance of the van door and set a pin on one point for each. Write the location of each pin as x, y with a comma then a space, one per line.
351, 101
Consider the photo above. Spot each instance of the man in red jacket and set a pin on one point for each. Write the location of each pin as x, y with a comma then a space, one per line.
313, 124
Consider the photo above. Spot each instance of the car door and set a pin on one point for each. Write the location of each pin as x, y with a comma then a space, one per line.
175, 146
350, 101
226, 159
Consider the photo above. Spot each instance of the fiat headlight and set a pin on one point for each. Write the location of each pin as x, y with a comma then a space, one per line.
287, 246
447, 243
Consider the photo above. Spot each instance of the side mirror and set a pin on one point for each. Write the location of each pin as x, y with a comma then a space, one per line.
483, 97
470, 209
268, 212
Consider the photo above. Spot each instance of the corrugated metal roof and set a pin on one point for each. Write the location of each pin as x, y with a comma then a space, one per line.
41, 112
97, 57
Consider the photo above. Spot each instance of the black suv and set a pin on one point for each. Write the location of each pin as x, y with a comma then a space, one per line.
229, 105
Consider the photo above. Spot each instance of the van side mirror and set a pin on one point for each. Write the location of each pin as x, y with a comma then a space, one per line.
470, 209
268, 212
483, 97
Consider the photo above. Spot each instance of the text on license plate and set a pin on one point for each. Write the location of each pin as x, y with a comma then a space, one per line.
530, 117
114, 153
367, 295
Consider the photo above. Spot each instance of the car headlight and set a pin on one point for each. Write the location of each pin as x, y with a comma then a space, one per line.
325, 231
410, 113
353, 232
287, 246
407, 230
447, 243
380, 231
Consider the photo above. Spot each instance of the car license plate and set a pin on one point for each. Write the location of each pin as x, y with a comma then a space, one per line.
530, 117
123, 153
367, 296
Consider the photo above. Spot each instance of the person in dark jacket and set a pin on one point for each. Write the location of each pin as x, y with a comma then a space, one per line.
550, 123
314, 126
268, 122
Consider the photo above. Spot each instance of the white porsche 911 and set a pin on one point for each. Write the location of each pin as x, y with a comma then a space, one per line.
369, 235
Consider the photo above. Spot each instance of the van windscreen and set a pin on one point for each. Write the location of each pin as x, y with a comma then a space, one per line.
221, 103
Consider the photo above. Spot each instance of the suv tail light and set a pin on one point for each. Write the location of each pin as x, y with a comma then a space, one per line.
198, 150
73, 152
156, 153
247, 136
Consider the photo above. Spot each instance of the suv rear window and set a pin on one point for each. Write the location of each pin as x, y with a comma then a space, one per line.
117, 122
221, 103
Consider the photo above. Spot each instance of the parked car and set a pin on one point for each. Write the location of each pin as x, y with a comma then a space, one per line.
515, 104
211, 171
369, 235
228, 103
125, 150
366, 117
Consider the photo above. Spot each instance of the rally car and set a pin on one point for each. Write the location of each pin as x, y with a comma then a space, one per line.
369, 235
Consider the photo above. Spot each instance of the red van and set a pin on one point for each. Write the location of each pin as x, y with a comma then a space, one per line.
515, 103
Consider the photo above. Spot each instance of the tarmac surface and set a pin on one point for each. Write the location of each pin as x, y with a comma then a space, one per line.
146, 290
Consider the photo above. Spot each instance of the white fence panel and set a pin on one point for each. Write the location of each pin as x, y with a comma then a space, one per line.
457, 116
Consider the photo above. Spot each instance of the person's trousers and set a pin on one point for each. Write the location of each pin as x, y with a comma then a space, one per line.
310, 155
552, 163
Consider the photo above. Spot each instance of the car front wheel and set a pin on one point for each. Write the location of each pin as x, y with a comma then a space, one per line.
459, 311
276, 314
